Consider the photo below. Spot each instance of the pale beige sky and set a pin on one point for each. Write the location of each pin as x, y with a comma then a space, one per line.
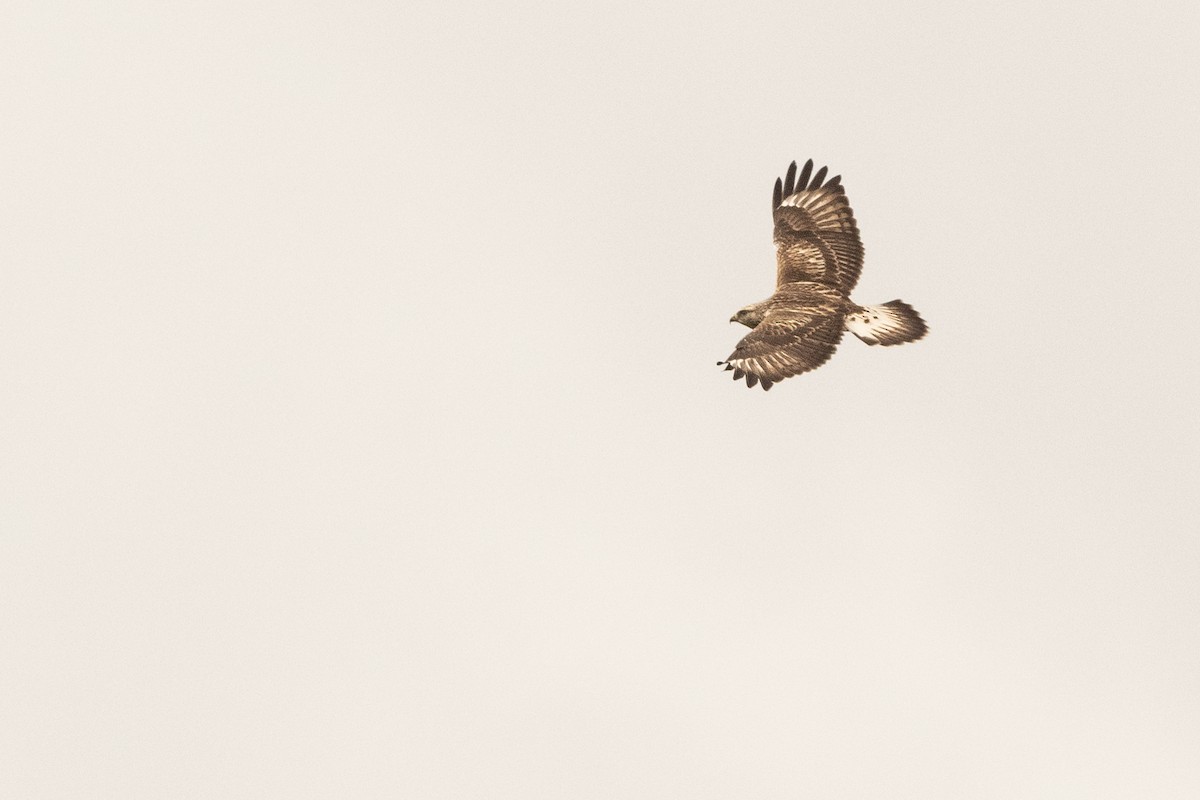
364, 438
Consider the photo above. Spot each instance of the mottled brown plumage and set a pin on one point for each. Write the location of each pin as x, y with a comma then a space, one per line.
818, 260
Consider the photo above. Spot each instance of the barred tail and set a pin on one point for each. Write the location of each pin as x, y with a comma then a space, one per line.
891, 323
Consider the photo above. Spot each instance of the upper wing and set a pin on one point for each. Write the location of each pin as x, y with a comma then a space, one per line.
815, 233
790, 340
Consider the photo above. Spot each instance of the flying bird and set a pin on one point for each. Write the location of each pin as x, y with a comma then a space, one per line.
818, 260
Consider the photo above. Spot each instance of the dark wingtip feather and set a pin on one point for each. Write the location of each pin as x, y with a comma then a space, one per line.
789, 183
738, 374
834, 181
777, 199
751, 379
767, 383
802, 184
820, 176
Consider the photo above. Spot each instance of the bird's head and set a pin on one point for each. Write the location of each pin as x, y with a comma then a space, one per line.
750, 316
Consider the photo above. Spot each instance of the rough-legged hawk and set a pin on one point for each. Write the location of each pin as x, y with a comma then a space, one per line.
819, 258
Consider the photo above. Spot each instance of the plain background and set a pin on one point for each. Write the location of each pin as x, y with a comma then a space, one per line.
362, 433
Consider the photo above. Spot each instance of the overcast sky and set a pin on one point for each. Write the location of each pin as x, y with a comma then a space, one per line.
363, 435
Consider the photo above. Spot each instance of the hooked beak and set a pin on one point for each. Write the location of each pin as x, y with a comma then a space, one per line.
733, 318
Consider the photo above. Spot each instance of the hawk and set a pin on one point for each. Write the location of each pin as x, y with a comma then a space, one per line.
818, 259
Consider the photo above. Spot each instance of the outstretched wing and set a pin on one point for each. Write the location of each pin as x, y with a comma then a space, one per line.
815, 233
789, 341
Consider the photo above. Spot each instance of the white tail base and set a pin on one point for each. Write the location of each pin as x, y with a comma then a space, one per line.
891, 323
